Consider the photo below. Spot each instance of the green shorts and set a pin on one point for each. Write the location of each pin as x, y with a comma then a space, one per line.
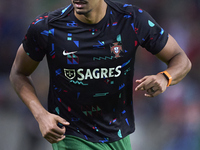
76, 143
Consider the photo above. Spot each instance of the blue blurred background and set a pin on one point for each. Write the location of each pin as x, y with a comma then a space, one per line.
170, 121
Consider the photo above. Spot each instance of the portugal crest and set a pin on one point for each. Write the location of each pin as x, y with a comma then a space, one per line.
116, 49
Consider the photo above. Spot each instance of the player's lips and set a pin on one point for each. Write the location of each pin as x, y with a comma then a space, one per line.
79, 3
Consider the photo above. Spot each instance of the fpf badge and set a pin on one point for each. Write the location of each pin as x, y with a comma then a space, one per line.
116, 49
70, 73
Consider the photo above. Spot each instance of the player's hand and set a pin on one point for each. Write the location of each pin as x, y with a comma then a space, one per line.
48, 124
153, 85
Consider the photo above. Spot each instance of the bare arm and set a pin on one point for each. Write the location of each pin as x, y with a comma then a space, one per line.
178, 63
22, 68
178, 67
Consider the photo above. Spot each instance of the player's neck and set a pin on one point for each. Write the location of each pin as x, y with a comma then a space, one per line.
94, 16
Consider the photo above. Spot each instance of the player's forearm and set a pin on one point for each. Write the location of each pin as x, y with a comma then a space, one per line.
178, 67
25, 90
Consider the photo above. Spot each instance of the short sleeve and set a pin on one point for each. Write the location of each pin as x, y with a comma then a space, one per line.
36, 38
149, 33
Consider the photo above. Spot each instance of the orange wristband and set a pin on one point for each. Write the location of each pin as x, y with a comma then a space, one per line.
168, 77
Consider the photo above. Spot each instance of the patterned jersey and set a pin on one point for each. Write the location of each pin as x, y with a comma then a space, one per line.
92, 66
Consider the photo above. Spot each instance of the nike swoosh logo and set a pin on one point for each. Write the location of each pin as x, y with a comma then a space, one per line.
68, 53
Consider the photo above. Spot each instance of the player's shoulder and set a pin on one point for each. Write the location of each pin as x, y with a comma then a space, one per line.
39, 23
124, 8
59, 13
40, 18
45, 18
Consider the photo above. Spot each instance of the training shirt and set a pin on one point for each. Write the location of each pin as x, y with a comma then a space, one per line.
91, 66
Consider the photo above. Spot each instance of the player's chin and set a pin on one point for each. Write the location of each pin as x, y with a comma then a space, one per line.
82, 11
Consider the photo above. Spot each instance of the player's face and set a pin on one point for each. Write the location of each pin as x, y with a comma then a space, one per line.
83, 7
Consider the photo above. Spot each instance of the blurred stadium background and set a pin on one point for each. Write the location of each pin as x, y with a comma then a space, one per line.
170, 121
